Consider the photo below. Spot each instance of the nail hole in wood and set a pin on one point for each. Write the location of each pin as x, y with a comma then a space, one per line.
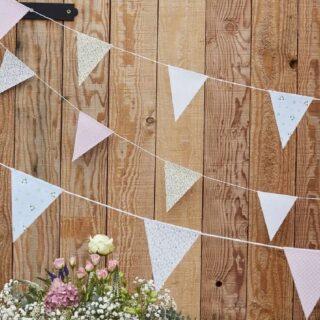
293, 63
218, 283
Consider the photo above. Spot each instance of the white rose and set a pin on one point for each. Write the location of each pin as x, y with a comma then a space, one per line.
100, 244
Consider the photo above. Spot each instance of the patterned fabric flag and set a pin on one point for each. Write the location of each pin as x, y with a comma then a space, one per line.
275, 208
178, 181
90, 52
167, 244
304, 266
288, 110
11, 12
30, 198
13, 71
185, 85
89, 133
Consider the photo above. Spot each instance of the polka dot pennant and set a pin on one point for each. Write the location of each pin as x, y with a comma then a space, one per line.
13, 71
178, 181
168, 245
288, 110
90, 52
30, 198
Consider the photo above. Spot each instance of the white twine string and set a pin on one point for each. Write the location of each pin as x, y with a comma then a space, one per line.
139, 217
155, 155
140, 56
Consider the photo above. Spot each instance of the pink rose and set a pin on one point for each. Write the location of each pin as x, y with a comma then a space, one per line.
102, 274
112, 264
89, 266
59, 263
81, 273
95, 258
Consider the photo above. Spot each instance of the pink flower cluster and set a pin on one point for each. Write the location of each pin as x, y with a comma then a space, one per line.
61, 295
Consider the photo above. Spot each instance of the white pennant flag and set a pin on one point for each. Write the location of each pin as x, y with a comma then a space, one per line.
30, 197
288, 110
178, 181
167, 244
185, 85
275, 208
90, 52
13, 71
305, 269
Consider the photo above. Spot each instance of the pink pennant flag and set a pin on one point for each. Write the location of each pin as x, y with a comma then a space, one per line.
89, 134
11, 12
305, 269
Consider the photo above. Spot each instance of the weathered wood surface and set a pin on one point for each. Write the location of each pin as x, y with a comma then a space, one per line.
228, 132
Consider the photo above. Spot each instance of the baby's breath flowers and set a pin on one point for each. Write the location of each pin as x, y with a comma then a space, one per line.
97, 290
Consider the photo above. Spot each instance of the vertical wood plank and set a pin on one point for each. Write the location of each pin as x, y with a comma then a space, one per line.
274, 45
88, 174
226, 157
7, 108
307, 219
181, 42
132, 115
37, 139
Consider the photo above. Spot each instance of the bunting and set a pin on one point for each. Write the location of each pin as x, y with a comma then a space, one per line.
13, 71
275, 208
288, 109
178, 180
89, 133
30, 198
304, 266
185, 85
168, 245
11, 12
90, 52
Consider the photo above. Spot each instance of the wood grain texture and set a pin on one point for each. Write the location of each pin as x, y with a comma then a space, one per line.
181, 42
88, 174
132, 115
274, 45
7, 108
226, 157
227, 132
37, 139
307, 219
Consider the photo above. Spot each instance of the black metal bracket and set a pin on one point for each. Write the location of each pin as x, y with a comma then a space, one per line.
55, 11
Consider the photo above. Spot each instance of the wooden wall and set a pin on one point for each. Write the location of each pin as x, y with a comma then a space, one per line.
228, 133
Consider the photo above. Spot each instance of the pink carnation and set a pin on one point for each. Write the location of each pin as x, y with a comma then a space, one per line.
112, 264
61, 295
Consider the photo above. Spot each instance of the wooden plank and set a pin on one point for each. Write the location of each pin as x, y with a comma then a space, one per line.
87, 175
132, 115
7, 108
37, 139
307, 219
223, 290
181, 42
274, 44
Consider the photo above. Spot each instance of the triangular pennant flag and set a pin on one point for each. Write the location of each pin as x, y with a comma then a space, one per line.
288, 109
89, 133
178, 181
90, 52
304, 266
167, 244
30, 197
13, 71
275, 208
184, 86
11, 12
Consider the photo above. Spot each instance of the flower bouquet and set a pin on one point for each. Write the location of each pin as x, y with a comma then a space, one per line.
89, 292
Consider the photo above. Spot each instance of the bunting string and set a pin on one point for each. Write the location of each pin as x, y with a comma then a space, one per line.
159, 62
155, 155
140, 217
